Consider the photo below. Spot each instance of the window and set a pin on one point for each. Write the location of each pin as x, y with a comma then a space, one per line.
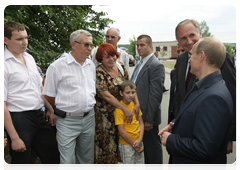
157, 48
164, 48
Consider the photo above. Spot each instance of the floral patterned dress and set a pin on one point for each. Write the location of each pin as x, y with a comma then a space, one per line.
106, 134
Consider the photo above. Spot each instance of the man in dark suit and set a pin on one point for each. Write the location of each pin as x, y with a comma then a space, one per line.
200, 130
149, 76
188, 33
173, 73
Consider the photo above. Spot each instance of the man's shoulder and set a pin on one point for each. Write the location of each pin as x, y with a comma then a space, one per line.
184, 55
154, 61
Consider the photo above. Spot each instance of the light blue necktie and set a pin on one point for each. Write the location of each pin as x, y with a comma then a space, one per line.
136, 72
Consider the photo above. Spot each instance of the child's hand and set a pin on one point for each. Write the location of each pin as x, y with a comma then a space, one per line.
139, 150
137, 144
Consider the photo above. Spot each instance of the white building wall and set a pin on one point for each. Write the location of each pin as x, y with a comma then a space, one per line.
167, 44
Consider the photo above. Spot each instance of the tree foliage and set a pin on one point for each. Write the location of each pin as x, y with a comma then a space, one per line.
49, 27
205, 29
162, 53
230, 49
132, 46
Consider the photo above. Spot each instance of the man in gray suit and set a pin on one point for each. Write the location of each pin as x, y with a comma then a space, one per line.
148, 76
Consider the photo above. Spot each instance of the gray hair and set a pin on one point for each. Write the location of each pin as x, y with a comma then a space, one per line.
76, 35
186, 21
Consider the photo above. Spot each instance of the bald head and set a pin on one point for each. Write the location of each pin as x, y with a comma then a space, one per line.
113, 36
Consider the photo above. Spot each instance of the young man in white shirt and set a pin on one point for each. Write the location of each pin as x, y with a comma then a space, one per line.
70, 88
23, 101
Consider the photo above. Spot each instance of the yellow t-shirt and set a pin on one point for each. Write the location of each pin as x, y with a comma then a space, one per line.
132, 129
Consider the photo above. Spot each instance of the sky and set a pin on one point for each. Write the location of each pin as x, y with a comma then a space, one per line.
159, 21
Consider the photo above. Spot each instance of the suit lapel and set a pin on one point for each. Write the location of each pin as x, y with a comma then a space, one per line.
189, 99
182, 74
144, 68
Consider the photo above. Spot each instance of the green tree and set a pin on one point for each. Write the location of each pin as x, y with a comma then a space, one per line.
132, 46
205, 29
49, 27
162, 53
229, 49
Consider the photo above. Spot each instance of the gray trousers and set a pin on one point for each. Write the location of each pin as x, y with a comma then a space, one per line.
75, 137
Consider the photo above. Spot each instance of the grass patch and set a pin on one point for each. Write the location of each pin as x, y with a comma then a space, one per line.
169, 64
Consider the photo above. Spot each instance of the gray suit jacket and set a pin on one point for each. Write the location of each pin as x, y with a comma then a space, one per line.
150, 89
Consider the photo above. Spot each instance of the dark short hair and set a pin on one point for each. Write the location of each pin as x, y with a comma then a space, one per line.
127, 83
148, 38
106, 48
11, 26
186, 21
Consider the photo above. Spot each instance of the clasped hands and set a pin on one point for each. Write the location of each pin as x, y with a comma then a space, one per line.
137, 146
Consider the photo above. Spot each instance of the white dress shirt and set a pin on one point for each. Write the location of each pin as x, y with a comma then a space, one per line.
124, 58
143, 63
22, 84
72, 84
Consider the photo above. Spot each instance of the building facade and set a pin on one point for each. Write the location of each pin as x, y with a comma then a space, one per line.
169, 50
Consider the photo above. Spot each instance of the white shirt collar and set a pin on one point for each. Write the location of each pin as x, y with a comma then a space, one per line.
147, 58
71, 59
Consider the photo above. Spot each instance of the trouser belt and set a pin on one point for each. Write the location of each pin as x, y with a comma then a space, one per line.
81, 115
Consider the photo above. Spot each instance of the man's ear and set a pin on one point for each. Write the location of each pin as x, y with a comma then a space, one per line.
202, 56
200, 32
6, 40
119, 38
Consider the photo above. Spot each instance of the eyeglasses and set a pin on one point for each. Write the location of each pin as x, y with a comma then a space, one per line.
86, 45
113, 37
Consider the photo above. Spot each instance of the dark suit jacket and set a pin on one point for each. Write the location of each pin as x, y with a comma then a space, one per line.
228, 73
200, 131
171, 99
149, 84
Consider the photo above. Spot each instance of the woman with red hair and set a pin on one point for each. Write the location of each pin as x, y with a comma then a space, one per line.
110, 74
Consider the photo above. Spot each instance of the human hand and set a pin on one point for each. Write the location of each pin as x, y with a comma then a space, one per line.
128, 115
167, 128
137, 144
5, 142
139, 150
47, 117
164, 137
148, 126
18, 145
53, 119
136, 110
229, 147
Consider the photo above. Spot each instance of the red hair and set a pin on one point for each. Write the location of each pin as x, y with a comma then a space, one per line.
106, 48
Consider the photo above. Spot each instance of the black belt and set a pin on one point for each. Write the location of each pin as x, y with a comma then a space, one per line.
39, 110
